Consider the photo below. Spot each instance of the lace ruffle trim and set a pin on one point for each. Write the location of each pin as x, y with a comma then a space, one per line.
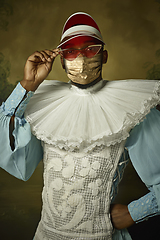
130, 121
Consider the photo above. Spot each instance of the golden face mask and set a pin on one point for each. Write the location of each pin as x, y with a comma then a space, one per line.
84, 70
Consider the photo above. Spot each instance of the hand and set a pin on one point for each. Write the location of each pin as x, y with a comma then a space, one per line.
120, 216
37, 68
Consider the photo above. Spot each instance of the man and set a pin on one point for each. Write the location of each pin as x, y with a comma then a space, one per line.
80, 129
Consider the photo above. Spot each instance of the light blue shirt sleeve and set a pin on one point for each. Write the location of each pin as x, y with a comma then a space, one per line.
28, 151
144, 207
11, 104
144, 150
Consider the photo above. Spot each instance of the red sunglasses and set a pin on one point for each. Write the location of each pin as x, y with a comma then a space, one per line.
89, 52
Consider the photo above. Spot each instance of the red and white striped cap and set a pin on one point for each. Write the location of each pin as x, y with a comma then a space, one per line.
79, 25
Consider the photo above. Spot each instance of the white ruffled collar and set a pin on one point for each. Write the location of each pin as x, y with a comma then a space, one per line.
90, 90
71, 118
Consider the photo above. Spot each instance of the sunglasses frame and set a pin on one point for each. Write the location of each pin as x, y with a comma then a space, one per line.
62, 50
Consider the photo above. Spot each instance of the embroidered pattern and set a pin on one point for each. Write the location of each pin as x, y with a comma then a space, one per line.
76, 194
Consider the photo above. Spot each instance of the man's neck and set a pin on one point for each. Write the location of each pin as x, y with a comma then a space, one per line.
84, 86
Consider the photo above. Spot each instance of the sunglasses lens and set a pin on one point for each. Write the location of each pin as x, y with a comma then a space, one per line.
89, 52
70, 54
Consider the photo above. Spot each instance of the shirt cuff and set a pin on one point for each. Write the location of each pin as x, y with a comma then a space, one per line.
144, 208
22, 107
15, 99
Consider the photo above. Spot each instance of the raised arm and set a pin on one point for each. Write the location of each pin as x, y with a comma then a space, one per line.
20, 151
36, 69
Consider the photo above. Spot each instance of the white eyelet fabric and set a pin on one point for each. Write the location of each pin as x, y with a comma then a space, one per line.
76, 193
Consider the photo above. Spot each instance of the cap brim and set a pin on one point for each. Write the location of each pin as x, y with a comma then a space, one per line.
70, 39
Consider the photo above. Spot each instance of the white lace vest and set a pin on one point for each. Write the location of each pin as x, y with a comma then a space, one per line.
77, 184
76, 193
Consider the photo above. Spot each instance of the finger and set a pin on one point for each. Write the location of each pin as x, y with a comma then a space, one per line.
55, 52
47, 55
50, 58
37, 57
50, 54
48, 65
